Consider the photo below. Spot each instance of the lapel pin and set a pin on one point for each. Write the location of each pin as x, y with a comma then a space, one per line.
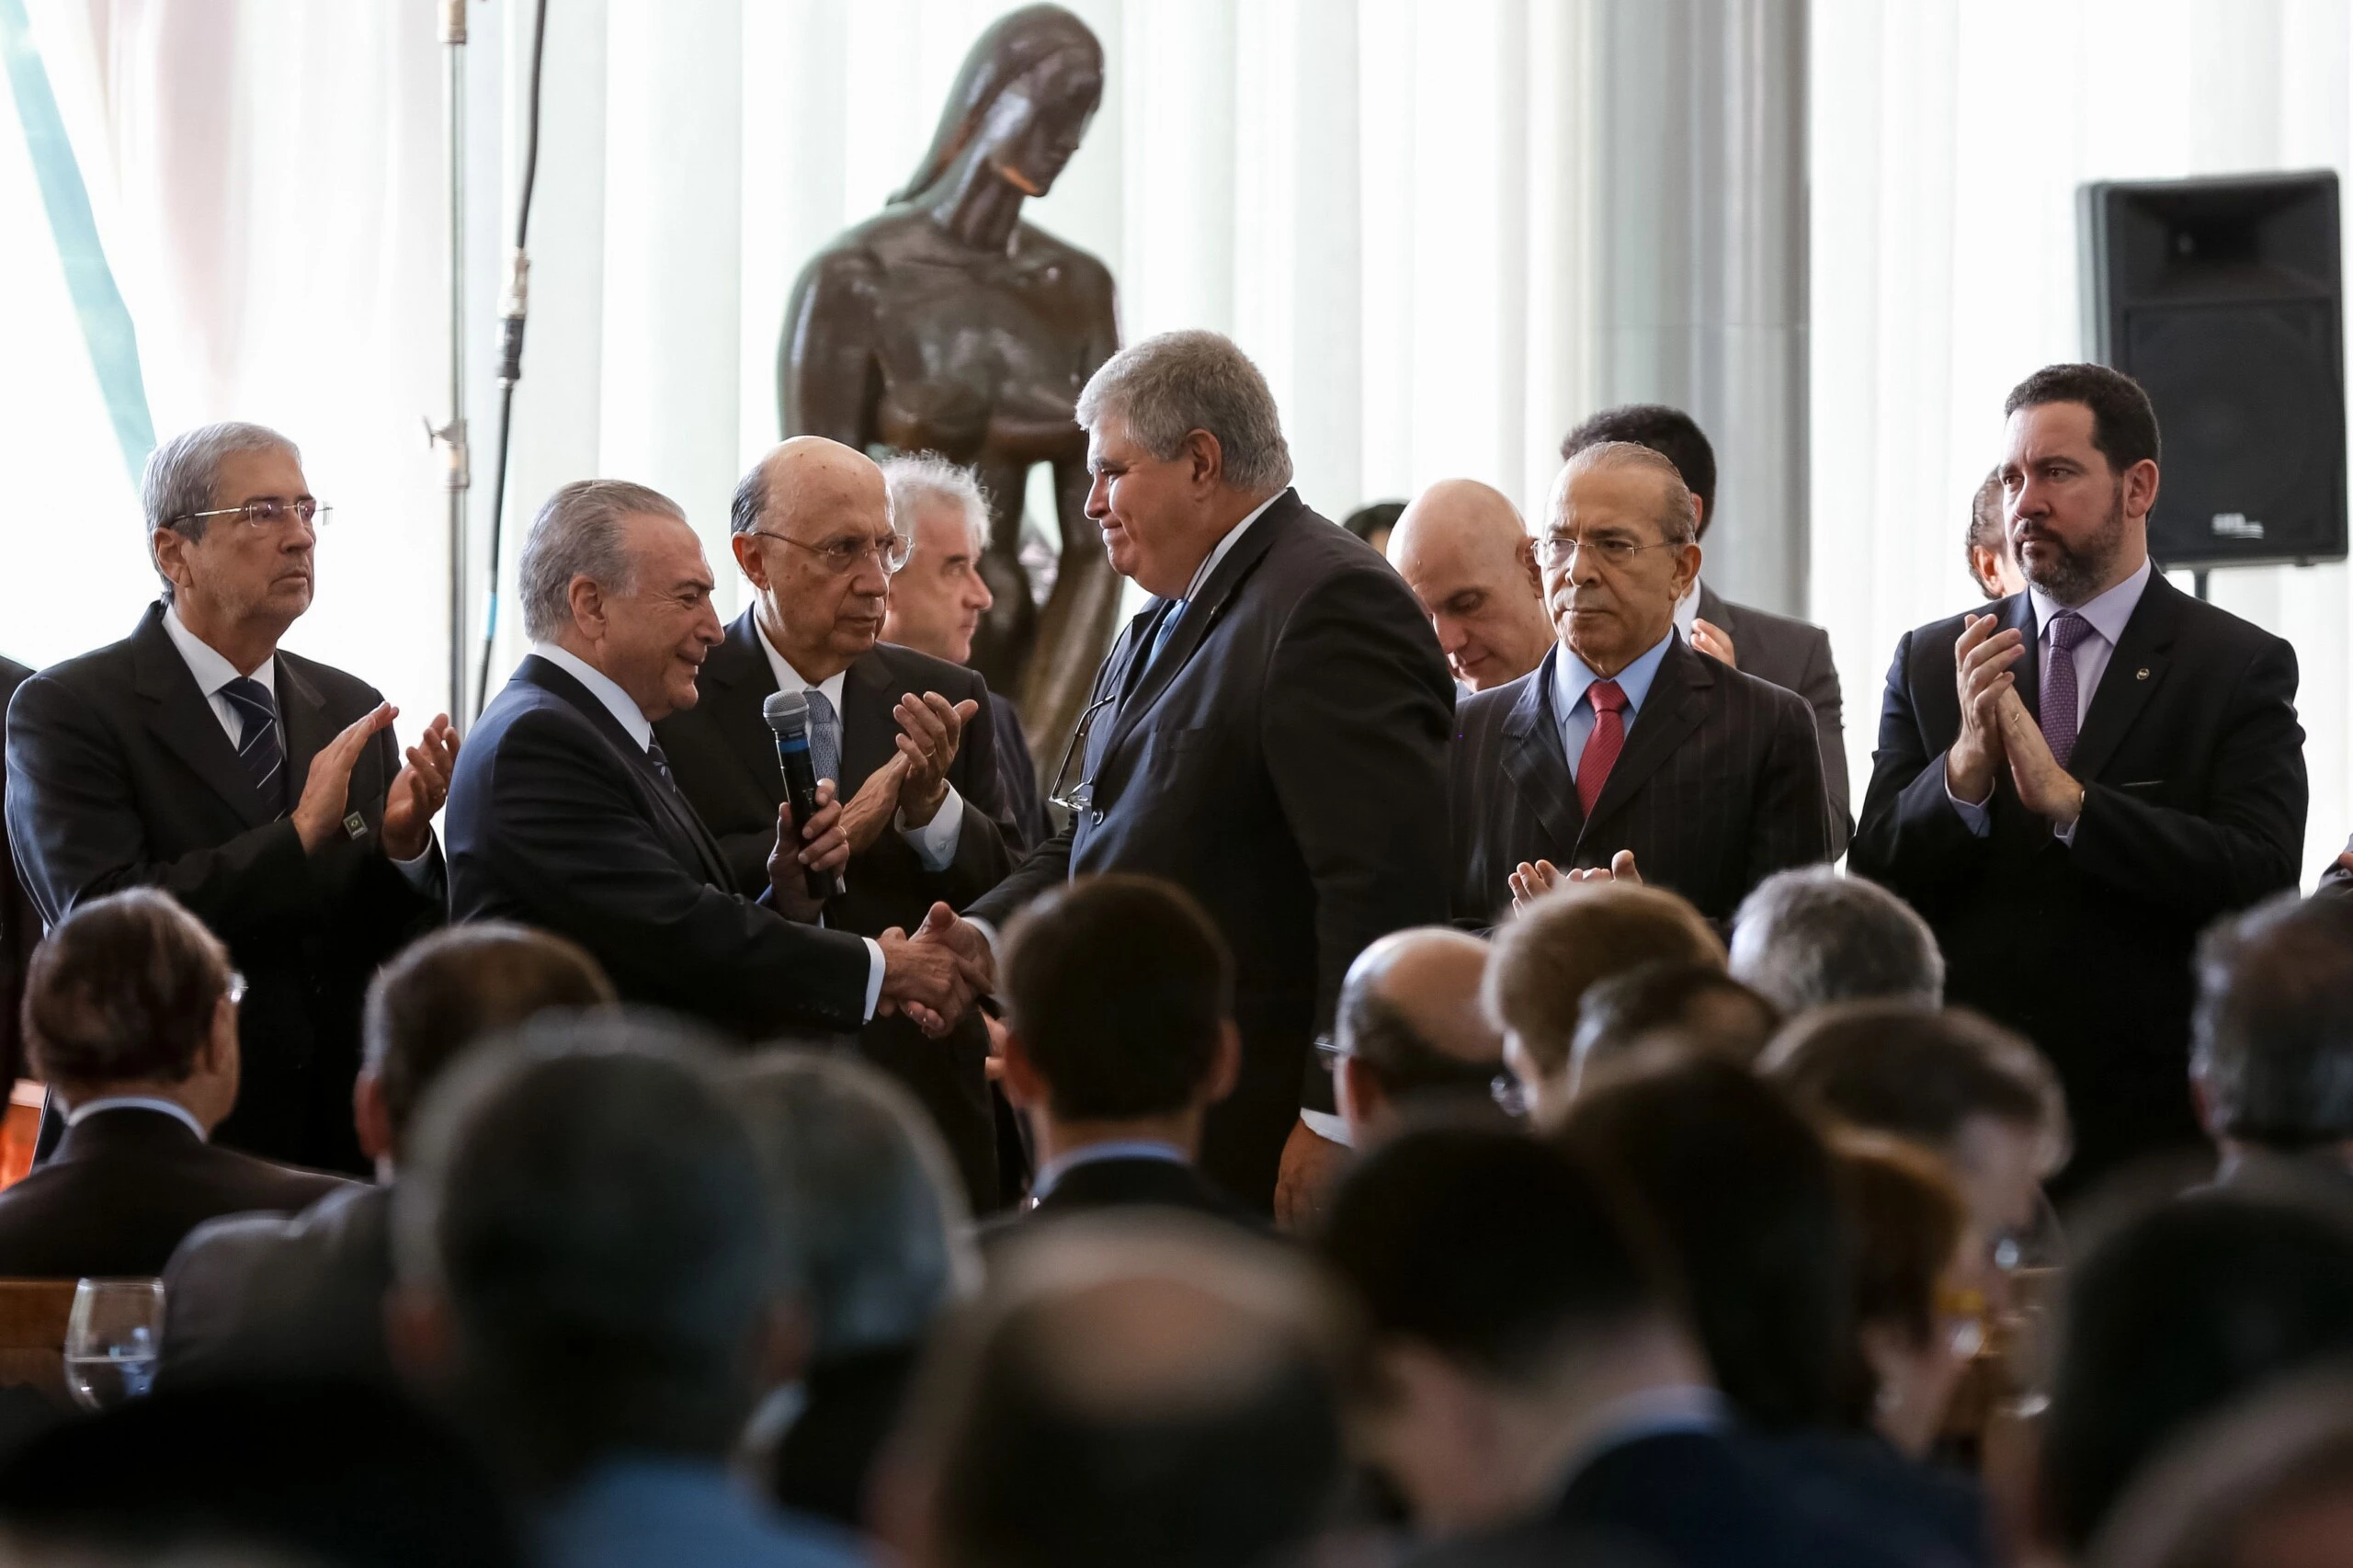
355, 826
2144, 674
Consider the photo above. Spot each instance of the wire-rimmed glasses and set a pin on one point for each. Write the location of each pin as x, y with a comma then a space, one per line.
1557, 549
1079, 797
269, 511
841, 556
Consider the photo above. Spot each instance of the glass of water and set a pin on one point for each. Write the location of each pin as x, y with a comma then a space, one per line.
112, 1340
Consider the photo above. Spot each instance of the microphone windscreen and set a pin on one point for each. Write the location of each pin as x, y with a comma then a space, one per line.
786, 711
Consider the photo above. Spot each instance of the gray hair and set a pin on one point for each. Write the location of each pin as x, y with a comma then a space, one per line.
578, 534
862, 1197
1678, 520
1810, 936
1168, 387
184, 473
917, 477
2271, 1038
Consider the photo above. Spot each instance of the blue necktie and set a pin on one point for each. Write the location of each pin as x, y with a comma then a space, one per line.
1168, 624
825, 738
259, 746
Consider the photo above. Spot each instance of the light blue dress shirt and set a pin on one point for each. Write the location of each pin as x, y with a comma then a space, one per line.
646, 1511
1570, 679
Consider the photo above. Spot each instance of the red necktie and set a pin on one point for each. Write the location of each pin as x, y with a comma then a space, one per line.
1602, 746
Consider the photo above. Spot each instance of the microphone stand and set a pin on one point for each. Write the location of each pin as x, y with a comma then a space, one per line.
460, 477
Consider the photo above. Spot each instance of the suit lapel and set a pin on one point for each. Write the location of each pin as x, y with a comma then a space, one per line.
1672, 709
179, 716
1719, 614
2136, 667
2017, 615
870, 734
303, 714
1532, 757
667, 802
739, 679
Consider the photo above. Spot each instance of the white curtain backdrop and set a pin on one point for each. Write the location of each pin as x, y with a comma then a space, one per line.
1948, 138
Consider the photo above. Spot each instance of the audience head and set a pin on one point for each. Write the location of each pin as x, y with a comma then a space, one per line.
1464, 550
2078, 477
1375, 522
131, 994
444, 993
812, 528
1809, 938
1509, 1295
2272, 1037
252, 563
939, 597
1184, 441
1977, 1095
2170, 1318
1987, 546
866, 1208
1411, 1029
583, 1248
1669, 432
1543, 962
612, 575
1158, 1392
1679, 1002
1919, 1298
1620, 551
1119, 997
1747, 1200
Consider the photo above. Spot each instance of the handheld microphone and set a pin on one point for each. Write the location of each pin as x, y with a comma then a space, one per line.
788, 714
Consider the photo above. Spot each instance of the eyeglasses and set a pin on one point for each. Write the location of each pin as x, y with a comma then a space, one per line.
1503, 1088
267, 511
237, 988
1554, 550
1080, 797
842, 556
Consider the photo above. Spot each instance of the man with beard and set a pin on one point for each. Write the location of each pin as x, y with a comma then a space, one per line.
2073, 784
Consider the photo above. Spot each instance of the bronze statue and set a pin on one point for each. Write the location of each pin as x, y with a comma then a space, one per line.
946, 323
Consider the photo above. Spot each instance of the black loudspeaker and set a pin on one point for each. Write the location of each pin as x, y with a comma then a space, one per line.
2224, 298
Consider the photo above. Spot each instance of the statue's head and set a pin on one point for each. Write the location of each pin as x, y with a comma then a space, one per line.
1030, 85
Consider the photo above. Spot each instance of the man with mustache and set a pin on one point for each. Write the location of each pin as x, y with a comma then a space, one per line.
263, 791
2071, 787
1626, 753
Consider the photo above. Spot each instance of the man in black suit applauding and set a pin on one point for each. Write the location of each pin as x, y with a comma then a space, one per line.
2071, 787
564, 813
906, 739
1269, 733
263, 791
1625, 753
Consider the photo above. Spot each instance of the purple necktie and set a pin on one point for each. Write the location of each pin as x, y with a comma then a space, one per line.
2059, 692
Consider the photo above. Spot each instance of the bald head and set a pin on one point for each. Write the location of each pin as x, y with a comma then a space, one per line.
812, 524
1411, 1025
1464, 550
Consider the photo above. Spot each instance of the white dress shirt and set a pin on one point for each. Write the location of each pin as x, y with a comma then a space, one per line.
88, 1109
213, 671
1687, 610
2106, 616
631, 718
935, 842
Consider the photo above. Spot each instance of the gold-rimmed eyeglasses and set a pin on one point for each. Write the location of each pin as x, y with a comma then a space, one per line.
842, 555
1555, 549
267, 511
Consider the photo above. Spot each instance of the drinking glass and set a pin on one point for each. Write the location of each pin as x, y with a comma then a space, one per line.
112, 1340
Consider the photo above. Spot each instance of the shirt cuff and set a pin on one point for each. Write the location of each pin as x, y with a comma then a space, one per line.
935, 842
423, 873
1973, 814
1326, 1125
873, 978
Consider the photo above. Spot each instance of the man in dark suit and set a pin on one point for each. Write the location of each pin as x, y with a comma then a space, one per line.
906, 738
564, 813
270, 1296
263, 791
1789, 652
936, 602
132, 1010
2071, 787
19, 918
1121, 1037
1269, 733
1689, 773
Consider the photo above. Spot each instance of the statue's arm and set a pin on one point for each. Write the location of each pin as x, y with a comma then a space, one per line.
829, 376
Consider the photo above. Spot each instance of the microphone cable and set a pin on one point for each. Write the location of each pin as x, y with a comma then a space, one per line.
513, 308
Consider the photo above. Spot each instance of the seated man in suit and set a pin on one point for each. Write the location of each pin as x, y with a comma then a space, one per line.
132, 1010
2073, 786
2271, 1052
564, 813
1412, 1036
1537, 1385
1789, 652
1624, 752
1810, 936
264, 1295
1464, 551
261, 789
904, 737
938, 599
1119, 1039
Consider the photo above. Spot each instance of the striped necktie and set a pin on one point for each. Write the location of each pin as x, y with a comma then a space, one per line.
259, 746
